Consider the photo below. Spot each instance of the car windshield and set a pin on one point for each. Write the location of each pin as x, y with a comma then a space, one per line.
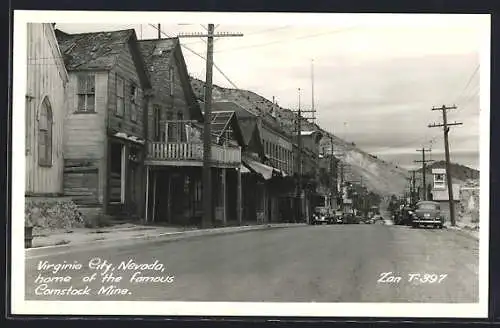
427, 207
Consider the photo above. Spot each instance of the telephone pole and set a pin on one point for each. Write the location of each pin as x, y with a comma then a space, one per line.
413, 183
332, 168
207, 156
424, 168
446, 130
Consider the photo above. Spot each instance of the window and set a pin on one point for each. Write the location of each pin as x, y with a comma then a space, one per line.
134, 101
181, 129
86, 93
45, 134
120, 98
172, 80
169, 125
27, 120
156, 123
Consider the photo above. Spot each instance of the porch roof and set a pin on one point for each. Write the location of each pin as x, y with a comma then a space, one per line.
266, 171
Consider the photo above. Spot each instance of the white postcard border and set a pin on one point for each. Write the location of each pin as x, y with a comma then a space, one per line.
20, 306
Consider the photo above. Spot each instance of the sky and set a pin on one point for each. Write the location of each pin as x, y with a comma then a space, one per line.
376, 77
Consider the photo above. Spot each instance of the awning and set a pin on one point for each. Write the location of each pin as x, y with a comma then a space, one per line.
124, 136
264, 170
244, 169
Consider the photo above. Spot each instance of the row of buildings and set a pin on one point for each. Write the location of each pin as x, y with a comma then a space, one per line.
113, 123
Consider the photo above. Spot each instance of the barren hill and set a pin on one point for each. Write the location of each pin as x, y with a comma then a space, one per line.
459, 172
378, 176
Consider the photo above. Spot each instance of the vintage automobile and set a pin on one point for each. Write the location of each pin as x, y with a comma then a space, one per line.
320, 216
427, 213
350, 218
404, 216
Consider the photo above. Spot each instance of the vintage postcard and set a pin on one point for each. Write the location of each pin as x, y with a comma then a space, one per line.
250, 164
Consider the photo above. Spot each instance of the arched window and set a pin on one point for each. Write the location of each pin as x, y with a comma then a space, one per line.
45, 134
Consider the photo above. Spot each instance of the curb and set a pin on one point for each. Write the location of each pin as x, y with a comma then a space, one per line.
163, 237
462, 232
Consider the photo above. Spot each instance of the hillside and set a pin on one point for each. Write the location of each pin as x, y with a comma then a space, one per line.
378, 176
459, 172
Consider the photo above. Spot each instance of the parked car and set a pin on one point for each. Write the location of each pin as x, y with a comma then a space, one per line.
404, 216
320, 216
427, 213
350, 218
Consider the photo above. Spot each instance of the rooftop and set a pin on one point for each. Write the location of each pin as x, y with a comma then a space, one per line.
97, 50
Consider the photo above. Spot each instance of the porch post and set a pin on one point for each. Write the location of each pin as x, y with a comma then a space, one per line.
147, 193
169, 199
239, 198
224, 197
155, 176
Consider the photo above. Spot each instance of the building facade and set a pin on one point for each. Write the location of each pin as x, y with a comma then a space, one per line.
45, 107
174, 158
105, 124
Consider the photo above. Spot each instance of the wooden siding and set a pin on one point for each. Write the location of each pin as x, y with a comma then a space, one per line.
84, 134
161, 90
126, 70
46, 79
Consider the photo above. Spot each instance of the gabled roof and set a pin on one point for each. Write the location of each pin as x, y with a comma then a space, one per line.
156, 52
223, 121
99, 50
232, 106
92, 50
248, 125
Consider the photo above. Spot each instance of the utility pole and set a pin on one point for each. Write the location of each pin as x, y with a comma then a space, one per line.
159, 31
332, 167
313, 110
412, 197
446, 130
424, 168
207, 140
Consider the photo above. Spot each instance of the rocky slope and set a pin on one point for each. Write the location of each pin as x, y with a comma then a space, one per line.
458, 172
378, 176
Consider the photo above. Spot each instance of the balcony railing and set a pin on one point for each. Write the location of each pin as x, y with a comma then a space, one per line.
183, 151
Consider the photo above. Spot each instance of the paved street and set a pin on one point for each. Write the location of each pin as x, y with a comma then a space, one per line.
340, 263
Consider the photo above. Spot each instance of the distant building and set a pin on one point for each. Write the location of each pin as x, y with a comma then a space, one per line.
440, 193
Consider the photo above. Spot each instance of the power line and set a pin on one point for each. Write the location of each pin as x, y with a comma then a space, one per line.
201, 56
476, 70
288, 40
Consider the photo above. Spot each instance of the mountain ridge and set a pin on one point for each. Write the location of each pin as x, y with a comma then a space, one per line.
377, 175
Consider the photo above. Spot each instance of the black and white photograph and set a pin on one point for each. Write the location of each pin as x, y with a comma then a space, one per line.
250, 164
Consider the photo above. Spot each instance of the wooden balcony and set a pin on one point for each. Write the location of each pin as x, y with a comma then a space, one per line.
190, 154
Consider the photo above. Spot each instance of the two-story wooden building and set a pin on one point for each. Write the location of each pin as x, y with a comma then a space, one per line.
309, 169
174, 158
105, 121
45, 110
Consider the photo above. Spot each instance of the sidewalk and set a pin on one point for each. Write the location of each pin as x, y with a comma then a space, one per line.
467, 230
88, 235
133, 233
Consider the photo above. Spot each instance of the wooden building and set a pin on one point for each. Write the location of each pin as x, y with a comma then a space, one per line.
105, 124
309, 170
45, 111
174, 158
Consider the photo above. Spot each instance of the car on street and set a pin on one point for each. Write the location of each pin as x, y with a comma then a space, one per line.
350, 218
321, 216
404, 216
427, 213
